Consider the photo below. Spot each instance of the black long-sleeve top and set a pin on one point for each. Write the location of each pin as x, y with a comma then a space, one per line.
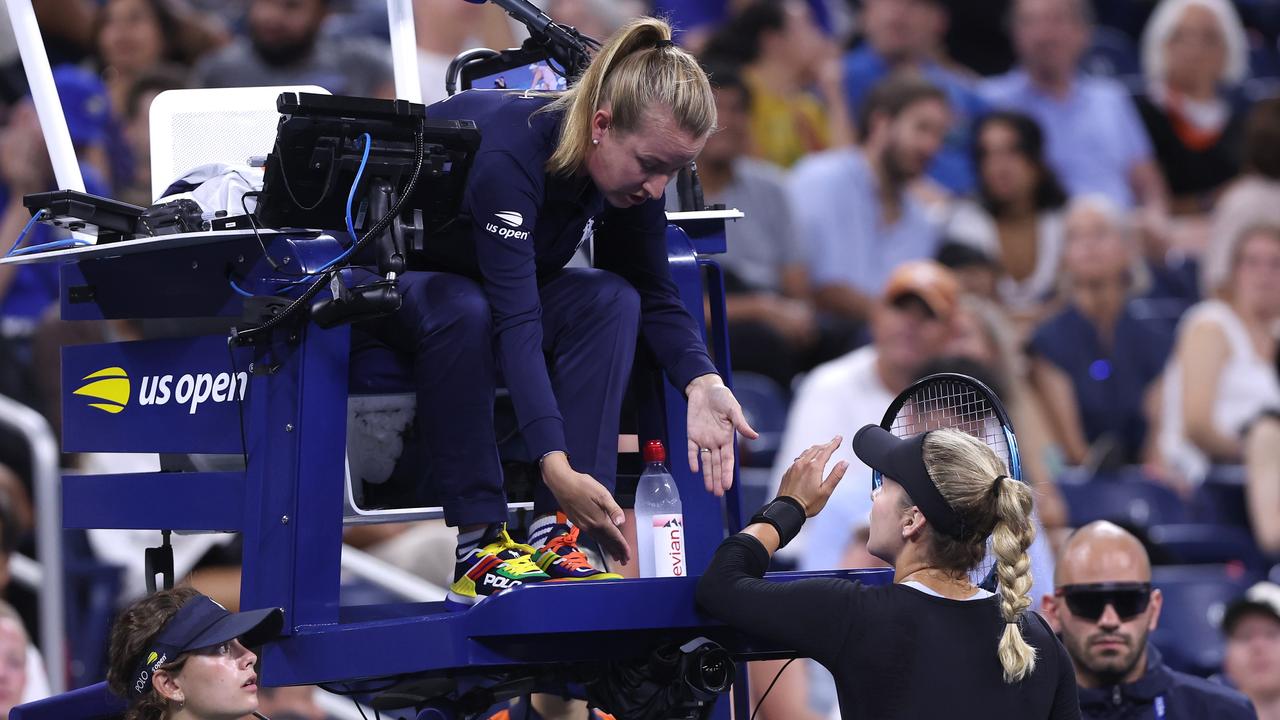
895, 652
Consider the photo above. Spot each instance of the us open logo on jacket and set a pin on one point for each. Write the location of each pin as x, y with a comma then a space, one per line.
110, 385
513, 220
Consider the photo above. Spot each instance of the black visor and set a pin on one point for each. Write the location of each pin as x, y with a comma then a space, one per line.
902, 460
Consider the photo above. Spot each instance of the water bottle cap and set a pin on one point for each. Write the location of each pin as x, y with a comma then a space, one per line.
654, 452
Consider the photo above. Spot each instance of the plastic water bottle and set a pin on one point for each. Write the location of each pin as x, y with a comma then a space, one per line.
659, 518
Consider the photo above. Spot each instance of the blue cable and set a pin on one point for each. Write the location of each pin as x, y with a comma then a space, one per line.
239, 290
351, 196
54, 245
16, 243
351, 229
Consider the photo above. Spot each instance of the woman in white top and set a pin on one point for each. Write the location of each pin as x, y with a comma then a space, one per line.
1223, 372
1018, 219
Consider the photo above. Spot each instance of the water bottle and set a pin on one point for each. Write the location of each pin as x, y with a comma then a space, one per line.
659, 519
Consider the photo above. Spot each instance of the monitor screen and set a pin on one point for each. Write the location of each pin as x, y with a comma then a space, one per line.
535, 76
319, 152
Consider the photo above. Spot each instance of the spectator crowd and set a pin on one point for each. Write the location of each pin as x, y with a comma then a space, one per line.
1076, 201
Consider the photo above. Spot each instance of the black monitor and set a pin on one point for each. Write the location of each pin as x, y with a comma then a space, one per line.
318, 151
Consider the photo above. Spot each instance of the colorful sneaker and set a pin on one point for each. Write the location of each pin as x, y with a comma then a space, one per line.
562, 561
491, 568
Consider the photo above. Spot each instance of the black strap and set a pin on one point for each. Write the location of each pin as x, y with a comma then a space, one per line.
785, 514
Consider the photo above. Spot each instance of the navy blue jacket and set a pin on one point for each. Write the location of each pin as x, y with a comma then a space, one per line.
1184, 697
522, 224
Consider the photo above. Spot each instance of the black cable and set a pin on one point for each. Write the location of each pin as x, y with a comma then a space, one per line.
254, 226
370, 234
348, 692
770, 688
244, 449
357, 704
284, 180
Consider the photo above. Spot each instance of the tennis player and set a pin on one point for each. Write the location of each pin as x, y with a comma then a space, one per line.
931, 644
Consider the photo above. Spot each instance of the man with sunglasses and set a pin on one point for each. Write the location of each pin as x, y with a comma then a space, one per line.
1103, 607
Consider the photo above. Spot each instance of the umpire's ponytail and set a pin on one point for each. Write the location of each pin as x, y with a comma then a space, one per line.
971, 478
638, 69
1010, 539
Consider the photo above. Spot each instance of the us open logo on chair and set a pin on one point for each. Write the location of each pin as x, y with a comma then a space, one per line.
110, 386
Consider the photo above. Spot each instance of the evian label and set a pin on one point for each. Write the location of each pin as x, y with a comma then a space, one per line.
668, 546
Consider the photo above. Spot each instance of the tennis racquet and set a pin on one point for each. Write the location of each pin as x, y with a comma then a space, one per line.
960, 402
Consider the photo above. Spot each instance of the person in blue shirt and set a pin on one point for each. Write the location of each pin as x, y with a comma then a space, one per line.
493, 301
1095, 140
1096, 362
904, 35
852, 205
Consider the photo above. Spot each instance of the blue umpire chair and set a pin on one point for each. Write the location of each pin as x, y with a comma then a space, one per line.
282, 404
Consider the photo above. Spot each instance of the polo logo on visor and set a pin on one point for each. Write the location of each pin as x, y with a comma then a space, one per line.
110, 385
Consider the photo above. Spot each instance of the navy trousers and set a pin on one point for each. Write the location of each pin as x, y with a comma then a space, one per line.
443, 347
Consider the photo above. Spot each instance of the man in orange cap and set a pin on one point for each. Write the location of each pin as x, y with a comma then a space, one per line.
910, 324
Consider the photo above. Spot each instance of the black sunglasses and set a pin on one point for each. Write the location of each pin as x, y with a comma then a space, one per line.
1090, 600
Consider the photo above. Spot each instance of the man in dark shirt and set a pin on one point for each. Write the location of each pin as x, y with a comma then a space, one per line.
1104, 608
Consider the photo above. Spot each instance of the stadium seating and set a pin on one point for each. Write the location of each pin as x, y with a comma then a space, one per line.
1195, 597
1125, 497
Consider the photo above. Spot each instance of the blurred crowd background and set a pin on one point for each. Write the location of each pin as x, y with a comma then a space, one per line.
1076, 201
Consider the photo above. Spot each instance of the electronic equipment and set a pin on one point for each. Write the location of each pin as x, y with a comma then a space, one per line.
111, 220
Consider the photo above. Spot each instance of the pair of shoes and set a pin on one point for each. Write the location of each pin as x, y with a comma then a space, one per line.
500, 563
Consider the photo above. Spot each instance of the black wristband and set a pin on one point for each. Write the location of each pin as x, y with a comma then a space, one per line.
785, 514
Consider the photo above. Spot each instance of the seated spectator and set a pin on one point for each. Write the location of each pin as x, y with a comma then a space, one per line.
1194, 56
1262, 481
14, 649
1104, 607
136, 125
1104, 339
1253, 199
26, 291
907, 35
1251, 662
773, 329
135, 36
1095, 363
782, 53
852, 204
982, 333
1018, 217
1223, 372
977, 271
282, 49
1095, 139
910, 325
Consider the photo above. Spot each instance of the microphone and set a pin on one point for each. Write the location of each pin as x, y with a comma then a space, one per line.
564, 44
524, 11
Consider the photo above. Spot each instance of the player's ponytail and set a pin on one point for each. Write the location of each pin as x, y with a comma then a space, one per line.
1013, 534
974, 481
636, 70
